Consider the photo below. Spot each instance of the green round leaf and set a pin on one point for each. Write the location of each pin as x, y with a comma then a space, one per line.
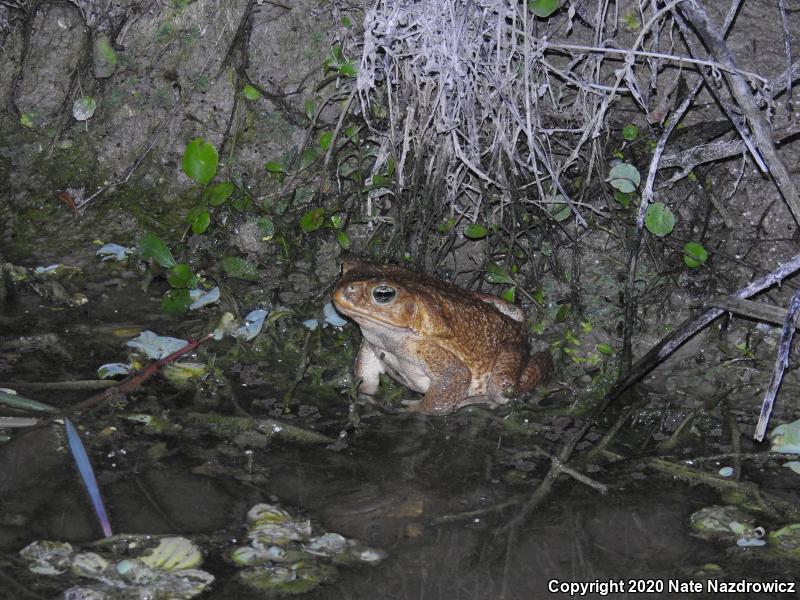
561, 210
181, 276
348, 69
325, 140
218, 193
659, 220
605, 349
240, 268
308, 158
543, 8
201, 222
250, 92
630, 132
309, 109
624, 177
267, 228
274, 167
151, 246
346, 22
83, 108
176, 301
475, 231
343, 239
312, 220
694, 255
622, 198
200, 160
509, 294
495, 274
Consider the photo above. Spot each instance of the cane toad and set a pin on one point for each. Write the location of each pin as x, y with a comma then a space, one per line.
455, 346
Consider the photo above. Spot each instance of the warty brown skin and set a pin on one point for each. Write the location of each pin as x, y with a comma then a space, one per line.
455, 346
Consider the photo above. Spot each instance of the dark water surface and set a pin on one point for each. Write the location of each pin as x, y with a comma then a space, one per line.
435, 493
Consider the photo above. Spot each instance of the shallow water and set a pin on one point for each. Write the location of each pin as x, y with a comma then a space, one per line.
434, 492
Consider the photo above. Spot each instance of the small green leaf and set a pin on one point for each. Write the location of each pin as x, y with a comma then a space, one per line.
563, 312
312, 220
346, 22
26, 120
239, 268
199, 220
446, 226
267, 228
181, 276
250, 92
495, 274
509, 294
337, 221
343, 239
538, 296
543, 8
308, 158
624, 177
659, 219
176, 301
151, 246
630, 132
605, 349
104, 57
348, 69
622, 198
325, 140
309, 109
694, 255
274, 167
379, 181
83, 108
200, 160
561, 209
351, 131
475, 231
219, 192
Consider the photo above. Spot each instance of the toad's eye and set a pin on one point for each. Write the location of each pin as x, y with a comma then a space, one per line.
384, 294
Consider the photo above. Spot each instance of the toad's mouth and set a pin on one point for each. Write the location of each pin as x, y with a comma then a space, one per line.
359, 315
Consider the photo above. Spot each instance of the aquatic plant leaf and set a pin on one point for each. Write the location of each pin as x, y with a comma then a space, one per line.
785, 438
151, 246
181, 276
10, 398
333, 317
109, 370
176, 301
113, 252
200, 160
156, 346
201, 298
87, 474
